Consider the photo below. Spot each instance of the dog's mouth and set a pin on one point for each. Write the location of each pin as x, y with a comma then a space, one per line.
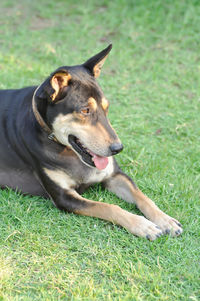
87, 155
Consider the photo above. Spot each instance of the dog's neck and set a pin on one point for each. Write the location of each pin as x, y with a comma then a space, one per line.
41, 121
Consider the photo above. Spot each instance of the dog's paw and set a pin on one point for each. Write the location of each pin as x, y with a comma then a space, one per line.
168, 224
144, 228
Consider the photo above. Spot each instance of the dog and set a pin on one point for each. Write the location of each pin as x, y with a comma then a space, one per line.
56, 141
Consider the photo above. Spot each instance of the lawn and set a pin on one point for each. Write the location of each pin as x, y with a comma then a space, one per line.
152, 79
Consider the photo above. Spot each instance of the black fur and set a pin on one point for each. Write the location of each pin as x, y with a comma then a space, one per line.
25, 147
55, 140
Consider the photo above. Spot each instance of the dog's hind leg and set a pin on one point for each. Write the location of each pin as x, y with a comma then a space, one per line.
125, 188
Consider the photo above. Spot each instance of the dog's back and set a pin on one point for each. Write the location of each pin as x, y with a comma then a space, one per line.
14, 171
14, 106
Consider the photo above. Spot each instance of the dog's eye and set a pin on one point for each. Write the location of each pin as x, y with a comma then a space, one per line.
85, 111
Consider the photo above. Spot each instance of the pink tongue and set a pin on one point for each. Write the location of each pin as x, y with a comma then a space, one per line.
100, 162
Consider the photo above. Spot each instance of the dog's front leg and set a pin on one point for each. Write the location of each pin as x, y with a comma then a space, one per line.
137, 225
124, 187
60, 188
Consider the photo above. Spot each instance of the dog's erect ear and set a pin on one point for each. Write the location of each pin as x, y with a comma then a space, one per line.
58, 82
95, 63
53, 87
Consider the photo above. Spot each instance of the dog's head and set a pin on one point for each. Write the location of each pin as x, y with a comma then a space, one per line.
73, 105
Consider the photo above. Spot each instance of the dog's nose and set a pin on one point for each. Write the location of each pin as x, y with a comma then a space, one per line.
116, 148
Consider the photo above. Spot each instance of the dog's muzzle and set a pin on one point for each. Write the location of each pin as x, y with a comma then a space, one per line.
116, 148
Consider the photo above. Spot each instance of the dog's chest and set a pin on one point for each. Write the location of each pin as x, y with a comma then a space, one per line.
96, 176
80, 175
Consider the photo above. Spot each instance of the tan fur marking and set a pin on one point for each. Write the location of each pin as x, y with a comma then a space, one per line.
97, 176
101, 129
157, 216
92, 102
145, 204
97, 67
112, 213
102, 132
104, 103
125, 189
59, 81
137, 225
60, 178
64, 125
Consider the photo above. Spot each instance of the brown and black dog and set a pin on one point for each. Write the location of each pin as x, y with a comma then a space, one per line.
56, 141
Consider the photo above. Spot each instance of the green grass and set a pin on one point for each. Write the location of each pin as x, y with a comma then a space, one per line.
152, 79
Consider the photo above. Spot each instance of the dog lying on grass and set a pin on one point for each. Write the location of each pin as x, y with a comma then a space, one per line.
56, 141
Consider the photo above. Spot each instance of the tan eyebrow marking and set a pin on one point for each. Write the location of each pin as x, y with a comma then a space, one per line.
92, 102
104, 103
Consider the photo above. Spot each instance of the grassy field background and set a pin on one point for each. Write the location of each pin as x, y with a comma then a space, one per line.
152, 79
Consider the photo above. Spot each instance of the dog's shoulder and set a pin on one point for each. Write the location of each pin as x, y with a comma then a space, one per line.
79, 174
